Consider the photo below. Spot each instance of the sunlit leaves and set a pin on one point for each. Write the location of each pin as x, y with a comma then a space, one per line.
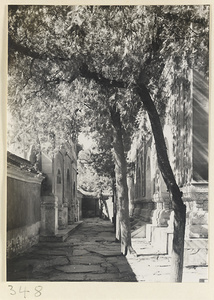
152, 43
95, 171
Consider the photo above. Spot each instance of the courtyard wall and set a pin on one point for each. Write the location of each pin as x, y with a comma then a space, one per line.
23, 205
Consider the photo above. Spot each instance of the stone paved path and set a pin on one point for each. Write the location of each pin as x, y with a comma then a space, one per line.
89, 254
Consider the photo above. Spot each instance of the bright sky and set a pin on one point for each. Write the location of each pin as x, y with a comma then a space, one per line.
85, 141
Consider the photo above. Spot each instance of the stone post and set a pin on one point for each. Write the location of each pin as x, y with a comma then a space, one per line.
71, 213
63, 215
49, 215
158, 231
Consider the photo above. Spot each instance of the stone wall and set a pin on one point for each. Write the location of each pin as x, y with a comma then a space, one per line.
23, 205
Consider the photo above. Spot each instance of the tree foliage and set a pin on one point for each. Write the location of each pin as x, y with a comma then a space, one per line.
94, 174
51, 46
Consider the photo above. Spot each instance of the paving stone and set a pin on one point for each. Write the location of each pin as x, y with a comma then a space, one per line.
52, 245
112, 269
55, 252
86, 259
106, 264
19, 276
127, 278
101, 229
68, 277
112, 244
78, 252
106, 234
83, 244
27, 268
43, 271
104, 251
73, 240
108, 238
100, 240
116, 259
124, 268
53, 262
81, 269
102, 277
20, 265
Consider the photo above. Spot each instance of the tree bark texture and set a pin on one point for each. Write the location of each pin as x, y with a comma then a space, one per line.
121, 182
114, 203
168, 176
178, 245
117, 220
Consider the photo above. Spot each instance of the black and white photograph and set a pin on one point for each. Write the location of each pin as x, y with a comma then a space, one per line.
107, 144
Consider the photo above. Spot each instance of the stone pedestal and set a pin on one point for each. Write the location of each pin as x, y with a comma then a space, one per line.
161, 214
63, 216
161, 217
71, 214
49, 215
196, 200
159, 232
160, 239
197, 225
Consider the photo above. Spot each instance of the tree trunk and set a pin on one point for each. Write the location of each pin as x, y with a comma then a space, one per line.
121, 182
117, 220
114, 200
130, 183
118, 229
178, 244
168, 176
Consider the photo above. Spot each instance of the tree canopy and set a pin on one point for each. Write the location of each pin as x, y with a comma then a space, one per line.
62, 58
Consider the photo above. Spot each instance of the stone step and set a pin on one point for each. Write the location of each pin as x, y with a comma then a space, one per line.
61, 235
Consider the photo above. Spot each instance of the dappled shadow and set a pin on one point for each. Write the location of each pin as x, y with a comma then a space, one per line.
89, 254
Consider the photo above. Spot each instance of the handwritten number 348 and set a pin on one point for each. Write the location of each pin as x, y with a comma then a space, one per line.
37, 293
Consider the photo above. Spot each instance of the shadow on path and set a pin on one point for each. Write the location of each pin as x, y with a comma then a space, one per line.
89, 254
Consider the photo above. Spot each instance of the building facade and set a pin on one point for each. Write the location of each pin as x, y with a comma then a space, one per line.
41, 197
60, 207
186, 136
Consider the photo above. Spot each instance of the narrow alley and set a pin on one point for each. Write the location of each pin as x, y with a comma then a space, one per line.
89, 254
107, 135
